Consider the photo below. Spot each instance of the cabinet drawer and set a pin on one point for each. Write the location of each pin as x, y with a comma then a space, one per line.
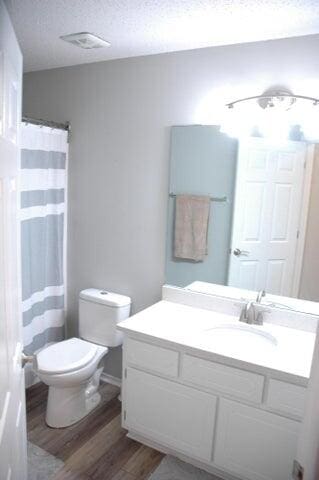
286, 397
174, 415
151, 357
223, 379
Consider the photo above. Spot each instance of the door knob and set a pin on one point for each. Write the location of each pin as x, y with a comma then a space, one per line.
238, 253
27, 359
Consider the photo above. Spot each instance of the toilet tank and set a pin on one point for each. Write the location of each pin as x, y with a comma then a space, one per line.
99, 313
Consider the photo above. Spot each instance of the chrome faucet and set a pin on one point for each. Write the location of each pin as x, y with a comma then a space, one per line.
260, 295
248, 313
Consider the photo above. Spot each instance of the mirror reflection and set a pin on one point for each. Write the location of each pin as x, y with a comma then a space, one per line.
242, 212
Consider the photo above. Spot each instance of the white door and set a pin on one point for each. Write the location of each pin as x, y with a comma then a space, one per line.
266, 223
12, 394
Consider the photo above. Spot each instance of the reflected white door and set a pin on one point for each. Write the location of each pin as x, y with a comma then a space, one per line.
12, 394
269, 193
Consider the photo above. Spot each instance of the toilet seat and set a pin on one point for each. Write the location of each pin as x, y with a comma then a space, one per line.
66, 356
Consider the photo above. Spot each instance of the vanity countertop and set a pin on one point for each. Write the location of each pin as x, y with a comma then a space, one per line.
289, 353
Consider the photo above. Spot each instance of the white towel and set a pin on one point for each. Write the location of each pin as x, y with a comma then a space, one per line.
191, 227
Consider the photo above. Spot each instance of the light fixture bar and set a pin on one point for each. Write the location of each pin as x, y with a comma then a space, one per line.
273, 95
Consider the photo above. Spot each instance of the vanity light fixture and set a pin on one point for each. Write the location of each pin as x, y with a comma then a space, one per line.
85, 40
273, 115
275, 99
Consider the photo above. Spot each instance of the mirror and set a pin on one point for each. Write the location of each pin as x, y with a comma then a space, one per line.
259, 231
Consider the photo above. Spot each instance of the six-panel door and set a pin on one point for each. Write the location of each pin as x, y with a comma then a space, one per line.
12, 393
269, 189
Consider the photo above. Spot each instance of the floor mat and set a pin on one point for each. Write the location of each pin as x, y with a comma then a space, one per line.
171, 468
41, 464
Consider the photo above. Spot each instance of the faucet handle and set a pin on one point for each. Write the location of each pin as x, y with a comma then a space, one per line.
242, 317
259, 319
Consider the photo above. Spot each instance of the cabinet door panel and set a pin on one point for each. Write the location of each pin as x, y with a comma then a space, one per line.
174, 415
255, 444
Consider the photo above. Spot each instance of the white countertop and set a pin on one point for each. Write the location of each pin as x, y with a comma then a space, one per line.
290, 353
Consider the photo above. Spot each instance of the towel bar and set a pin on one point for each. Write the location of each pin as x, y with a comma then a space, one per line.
212, 199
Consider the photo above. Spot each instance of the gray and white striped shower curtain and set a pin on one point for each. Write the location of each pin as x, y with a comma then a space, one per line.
43, 240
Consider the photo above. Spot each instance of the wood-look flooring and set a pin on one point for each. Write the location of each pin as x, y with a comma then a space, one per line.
96, 448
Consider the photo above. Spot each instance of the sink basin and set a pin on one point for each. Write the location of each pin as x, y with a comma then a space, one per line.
234, 339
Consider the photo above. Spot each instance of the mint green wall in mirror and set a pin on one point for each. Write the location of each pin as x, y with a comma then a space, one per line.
203, 162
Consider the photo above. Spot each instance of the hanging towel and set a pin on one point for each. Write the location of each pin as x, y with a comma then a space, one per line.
191, 227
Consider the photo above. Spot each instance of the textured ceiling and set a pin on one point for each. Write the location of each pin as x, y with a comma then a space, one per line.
143, 27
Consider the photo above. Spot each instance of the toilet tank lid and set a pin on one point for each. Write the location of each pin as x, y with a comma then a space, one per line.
111, 299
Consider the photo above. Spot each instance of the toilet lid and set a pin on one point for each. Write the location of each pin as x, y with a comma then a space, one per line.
66, 356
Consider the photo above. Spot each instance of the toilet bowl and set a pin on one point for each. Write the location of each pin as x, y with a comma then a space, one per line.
72, 368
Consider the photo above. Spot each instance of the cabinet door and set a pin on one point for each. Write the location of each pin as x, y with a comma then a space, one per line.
255, 444
169, 413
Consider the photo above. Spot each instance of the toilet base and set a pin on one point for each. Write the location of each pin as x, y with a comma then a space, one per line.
68, 405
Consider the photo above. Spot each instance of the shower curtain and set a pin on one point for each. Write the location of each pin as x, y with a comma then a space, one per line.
43, 240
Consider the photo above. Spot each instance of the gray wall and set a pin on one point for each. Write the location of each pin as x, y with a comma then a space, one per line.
120, 112
203, 161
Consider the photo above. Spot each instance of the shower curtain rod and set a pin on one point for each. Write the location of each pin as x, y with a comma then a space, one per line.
47, 123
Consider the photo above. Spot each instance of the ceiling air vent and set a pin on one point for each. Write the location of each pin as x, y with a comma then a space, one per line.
85, 40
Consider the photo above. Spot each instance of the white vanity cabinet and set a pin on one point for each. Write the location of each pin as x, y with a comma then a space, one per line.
232, 421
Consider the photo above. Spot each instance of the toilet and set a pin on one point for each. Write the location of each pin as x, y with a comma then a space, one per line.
71, 368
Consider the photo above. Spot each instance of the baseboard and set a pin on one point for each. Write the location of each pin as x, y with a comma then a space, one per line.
30, 377
106, 378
